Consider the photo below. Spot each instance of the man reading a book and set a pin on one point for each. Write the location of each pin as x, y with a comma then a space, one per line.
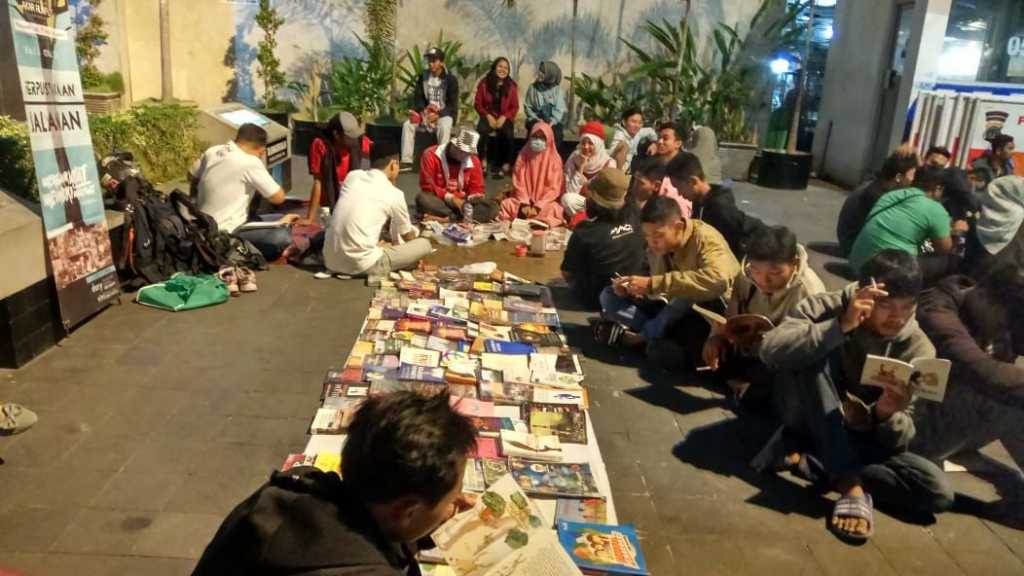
775, 277
837, 432
690, 262
979, 326
402, 464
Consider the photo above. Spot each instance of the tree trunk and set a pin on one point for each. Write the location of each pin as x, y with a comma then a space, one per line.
166, 82
572, 65
794, 124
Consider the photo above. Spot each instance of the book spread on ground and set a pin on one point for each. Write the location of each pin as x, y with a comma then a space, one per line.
593, 510
503, 534
924, 377
571, 480
603, 548
530, 446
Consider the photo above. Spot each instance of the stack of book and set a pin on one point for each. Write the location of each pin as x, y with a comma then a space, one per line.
493, 343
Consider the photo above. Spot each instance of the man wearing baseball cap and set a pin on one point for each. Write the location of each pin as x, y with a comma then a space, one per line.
451, 176
340, 148
608, 243
434, 106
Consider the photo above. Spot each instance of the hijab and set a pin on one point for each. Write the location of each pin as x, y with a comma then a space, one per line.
537, 177
598, 160
1002, 211
551, 74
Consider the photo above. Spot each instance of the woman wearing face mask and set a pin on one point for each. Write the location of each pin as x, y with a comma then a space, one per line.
585, 162
537, 180
497, 103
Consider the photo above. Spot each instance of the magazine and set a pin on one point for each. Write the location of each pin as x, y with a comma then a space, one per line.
925, 377
603, 548
742, 330
593, 510
566, 421
473, 479
530, 446
573, 480
420, 357
502, 534
494, 469
506, 392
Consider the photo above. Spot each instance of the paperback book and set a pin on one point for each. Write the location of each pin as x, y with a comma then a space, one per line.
603, 548
592, 510
570, 480
566, 421
923, 377
530, 446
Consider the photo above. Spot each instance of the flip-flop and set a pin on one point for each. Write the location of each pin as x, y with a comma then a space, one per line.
853, 507
608, 332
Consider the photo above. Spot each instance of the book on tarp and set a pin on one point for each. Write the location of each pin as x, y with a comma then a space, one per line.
567, 421
593, 510
331, 420
473, 479
420, 357
923, 377
503, 534
530, 446
603, 548
566, 479
741, 329
294, 460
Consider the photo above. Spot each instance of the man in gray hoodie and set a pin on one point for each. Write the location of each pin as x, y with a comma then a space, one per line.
850, 436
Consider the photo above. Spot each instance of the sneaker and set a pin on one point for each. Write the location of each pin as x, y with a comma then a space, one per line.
405, 166
246, 279
15, 418
229, 276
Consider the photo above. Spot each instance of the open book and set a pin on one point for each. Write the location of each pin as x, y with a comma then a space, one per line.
504, 533
741, 330
925, 377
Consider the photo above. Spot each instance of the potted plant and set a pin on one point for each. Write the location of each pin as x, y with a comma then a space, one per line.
790, 169
307, 96
102, 92
268, 66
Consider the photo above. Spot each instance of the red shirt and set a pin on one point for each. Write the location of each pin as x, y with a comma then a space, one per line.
509, 104
318, 150
432, 178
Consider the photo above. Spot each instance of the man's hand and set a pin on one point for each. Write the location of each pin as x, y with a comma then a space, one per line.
289, 219
458, 202
715, 349
432, 117
960, 227
620, 286
652, 149
638, 286
895, 398
861, 307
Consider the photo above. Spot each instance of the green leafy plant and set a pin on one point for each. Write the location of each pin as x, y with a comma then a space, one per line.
88, 38
381, 20
19, 174
268, 64
307, 94
161, 136
605, 101
362, 86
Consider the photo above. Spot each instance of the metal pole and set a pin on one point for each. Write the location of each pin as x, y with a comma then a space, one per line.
794, 125
166, 79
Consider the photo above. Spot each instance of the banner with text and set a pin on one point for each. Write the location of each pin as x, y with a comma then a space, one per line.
69, 189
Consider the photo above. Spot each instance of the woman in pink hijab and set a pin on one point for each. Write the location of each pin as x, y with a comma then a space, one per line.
537, 180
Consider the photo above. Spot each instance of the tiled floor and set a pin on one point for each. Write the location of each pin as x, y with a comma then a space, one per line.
154, 425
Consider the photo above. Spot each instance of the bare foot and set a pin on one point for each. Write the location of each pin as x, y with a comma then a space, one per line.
851, 524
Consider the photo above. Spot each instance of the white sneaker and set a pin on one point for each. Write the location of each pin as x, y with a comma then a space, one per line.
15, 418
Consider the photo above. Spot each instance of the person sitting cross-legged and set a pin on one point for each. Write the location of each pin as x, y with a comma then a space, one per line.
629, 135
402, 468
689, 262
775, 277
607, 244
712, 203
897, 172
583, 164
537, 181
649, 180
842, 434
979, 327
369, 201
451, 176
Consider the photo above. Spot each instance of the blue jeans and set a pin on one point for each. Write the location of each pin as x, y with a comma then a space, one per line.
650, 318
271, 242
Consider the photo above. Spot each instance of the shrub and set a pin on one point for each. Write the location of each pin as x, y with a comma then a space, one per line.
161, 136
18, 175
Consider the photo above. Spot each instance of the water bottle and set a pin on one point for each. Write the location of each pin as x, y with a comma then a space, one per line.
467, 212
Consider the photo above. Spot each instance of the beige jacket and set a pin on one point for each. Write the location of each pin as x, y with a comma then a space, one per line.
701, 269
747, 299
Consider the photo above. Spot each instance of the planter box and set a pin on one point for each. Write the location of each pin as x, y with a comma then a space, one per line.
303, 134
277, 116
736, 159
784, 171
103, 102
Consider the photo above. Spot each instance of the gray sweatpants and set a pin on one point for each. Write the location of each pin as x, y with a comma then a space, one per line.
966, 420
401, 257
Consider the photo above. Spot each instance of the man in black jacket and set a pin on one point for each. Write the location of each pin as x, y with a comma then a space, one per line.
434, 106
402, 464
980, 329
712, 203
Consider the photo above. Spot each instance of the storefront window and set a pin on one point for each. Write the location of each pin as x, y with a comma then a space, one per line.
984, 42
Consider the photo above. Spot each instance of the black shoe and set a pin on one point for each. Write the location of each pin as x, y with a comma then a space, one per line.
405, 167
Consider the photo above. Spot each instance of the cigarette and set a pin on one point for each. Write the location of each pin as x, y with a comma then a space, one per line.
703, 368
874, 285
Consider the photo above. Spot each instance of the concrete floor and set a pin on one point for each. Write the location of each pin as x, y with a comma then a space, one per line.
154, 425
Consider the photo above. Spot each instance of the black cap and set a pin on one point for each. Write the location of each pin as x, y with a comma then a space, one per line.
433, 53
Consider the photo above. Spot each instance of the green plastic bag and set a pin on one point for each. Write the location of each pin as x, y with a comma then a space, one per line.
184, 292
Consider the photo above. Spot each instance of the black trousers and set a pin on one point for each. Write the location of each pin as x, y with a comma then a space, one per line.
495, 145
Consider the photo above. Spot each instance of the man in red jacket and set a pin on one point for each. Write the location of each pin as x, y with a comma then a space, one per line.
451, 176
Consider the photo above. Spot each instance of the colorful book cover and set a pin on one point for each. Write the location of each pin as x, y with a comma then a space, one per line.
294, 460
603, 547
491, 426
554, 479
519, 304
463, 391
593, 510
528, 337
458, 378
503, 347
420, 357
560, 396
472, 407
506, 392
566, 421
494, 469
531, 447
421, 373
488, 376
415, 325
328, 421
329, 462
473, 479
439, 344
449, 332
486, 447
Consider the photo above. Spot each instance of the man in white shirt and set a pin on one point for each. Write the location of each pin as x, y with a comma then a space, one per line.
629, 135
367, 202
227, 176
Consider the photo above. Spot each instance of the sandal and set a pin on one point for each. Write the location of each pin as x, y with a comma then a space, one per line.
230, 278
853, 507
608, 332
246, 279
